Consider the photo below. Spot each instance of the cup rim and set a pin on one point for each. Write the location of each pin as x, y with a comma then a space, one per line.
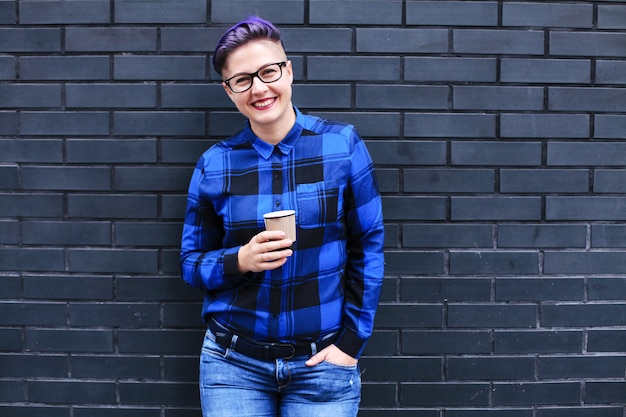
278, 214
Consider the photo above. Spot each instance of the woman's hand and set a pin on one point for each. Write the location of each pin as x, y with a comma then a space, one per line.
265, 251
334, 355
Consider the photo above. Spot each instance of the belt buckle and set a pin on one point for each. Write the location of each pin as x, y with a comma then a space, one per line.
280, 345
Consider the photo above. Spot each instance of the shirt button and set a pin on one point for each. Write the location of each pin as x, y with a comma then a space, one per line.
278, 204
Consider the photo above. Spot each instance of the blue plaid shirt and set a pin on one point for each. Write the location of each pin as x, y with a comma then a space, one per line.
323, 171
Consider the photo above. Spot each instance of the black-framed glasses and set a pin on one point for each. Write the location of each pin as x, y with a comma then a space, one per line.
268, 74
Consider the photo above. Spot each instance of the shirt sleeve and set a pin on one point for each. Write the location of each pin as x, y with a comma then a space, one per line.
204, 263
365, 242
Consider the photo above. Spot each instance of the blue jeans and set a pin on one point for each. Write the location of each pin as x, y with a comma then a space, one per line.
235, 385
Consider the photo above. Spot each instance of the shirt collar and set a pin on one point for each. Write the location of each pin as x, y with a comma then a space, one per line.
265, 149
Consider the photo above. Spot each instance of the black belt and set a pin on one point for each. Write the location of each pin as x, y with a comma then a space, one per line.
266, 351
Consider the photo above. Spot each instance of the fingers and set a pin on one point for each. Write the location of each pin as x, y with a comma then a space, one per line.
265, 251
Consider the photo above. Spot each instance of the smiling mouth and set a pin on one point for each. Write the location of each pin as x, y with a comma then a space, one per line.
261, 104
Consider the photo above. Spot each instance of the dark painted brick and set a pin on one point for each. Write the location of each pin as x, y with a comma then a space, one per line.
491, 369
111, 95
151, 179
351, 68
62, 340
599, 44
554, 71
494, 263
30, 40
185, 96
8, 126
447, 236
542, 236
409, 315
401, 97
8, 176
160, 342
160, 289
66, 233
544, 126
7, 12
160, 11
182, 150
368, 124
100, 39
448, 394
611, 16
64, 123
499, 412
31, 205
498, 316
605, 392
531, 393
606, 341
586, 208
609, 181
10, 286
32, 150
529, 289
497, 98
66, 12
414, 263
23, 314
9, 233
381, 12
68, 287
11, 391
609, 126
278, 11
317, 39
544, 181
415, 208
7, 67
496, 208
159, 123
382, 342
608, 236
114, 315
31, 259
321, 96
491, 41
11, 339
65, 68
112, 206
181, 369
449, 180
585, 262
450, 125
448, 69
582, 367
66, 178
87, 411
125, 261
34, 411
401, 40
111, 151
583, 315
190, 39
147, 67
159, 393
400, 153
20, 365
496, 153
453, 13
148, 234
581, 412
405, 369
445, 342
72, 392
173, 206
548, 15
580, 153
445, 289
181, 315
607, 289
29, 95
587, 99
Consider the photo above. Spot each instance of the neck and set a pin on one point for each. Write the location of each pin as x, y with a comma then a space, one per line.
275, 132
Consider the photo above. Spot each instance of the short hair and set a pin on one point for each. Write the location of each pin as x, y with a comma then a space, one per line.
245, 31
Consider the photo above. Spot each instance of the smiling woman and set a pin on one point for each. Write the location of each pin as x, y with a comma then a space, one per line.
285, 317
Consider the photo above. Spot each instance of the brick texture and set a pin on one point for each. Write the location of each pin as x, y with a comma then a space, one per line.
498, 132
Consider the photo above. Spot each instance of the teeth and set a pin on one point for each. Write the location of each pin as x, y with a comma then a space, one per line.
263, 103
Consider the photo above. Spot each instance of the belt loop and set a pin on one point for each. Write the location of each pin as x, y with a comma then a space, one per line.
233, 342
313, 348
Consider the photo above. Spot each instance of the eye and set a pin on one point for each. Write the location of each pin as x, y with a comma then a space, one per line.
241, 80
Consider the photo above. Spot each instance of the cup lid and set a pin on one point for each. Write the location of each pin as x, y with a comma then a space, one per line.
280, 213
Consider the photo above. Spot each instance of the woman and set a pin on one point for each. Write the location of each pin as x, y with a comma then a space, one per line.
287, 320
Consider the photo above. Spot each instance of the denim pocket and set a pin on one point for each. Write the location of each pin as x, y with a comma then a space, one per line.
209, 346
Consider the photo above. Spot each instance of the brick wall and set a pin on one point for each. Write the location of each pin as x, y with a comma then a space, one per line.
498, 129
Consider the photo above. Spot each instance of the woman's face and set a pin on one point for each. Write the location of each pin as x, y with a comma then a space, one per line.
266, 105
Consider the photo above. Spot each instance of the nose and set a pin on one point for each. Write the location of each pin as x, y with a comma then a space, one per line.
257, 84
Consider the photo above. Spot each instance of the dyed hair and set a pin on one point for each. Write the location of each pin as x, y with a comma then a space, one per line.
247, 30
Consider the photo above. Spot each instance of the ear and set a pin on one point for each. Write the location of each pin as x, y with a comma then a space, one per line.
289, 69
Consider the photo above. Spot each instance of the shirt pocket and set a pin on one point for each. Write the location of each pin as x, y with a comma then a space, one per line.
317, 204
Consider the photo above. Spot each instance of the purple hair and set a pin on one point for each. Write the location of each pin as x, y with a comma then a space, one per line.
249, 29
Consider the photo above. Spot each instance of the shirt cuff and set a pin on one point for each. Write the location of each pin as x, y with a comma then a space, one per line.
351, 344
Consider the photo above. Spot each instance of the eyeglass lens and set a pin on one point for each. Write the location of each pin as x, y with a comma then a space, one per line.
268, 74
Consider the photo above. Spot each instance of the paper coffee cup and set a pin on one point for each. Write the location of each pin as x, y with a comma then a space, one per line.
283, 220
